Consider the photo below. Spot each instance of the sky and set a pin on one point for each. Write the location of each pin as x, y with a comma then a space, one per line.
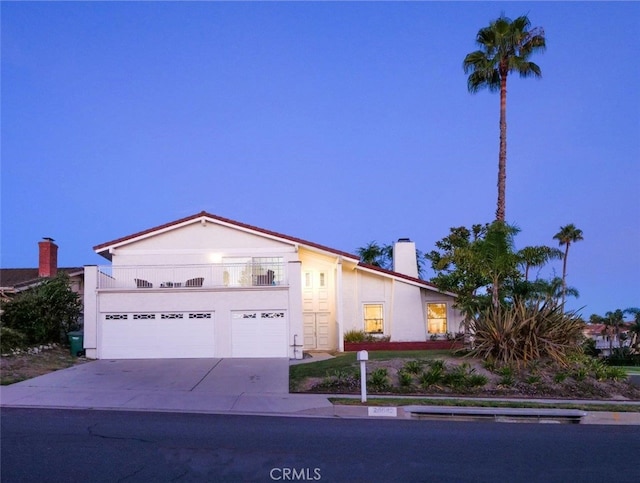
340, 123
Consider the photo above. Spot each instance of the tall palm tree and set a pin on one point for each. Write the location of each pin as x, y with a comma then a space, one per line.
567, 235
505, 47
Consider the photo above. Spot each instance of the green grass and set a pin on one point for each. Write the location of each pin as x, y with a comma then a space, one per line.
346, 361
635, 370
613, 407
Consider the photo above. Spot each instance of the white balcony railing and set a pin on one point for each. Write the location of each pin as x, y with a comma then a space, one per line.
191, 276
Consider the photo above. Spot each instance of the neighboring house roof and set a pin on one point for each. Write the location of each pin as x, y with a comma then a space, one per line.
18, 279
104, 248
592, 330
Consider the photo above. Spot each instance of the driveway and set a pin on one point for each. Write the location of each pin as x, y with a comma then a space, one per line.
190, 385
213, 376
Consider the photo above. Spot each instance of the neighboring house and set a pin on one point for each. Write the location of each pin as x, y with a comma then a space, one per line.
605, 341
206, 286
16, 280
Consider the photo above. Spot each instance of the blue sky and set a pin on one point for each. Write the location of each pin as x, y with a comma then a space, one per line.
339, 123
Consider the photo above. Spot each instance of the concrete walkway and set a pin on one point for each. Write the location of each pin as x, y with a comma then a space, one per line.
232, 386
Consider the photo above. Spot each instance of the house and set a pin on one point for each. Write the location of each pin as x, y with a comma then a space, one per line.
606, 339
207, 286
16, 280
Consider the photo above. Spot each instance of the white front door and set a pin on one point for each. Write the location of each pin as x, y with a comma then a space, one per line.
317, 330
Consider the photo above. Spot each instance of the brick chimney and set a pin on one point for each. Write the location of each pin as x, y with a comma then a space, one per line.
404, 257
48, 264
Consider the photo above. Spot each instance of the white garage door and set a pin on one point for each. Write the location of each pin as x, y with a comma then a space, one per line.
259, 334
157, 335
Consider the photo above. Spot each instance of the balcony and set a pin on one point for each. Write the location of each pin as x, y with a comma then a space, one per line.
191, 277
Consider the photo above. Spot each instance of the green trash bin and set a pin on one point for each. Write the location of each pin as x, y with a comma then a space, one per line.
76, 340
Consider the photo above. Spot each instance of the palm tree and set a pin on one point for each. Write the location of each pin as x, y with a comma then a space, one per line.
374, 254
537, 256
505, 47
634, 329
567, 235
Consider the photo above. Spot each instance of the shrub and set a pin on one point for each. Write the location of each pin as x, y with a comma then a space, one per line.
533, 379
379, 380
405, 378
560, 377
354, 336
45, 313
507, 375
526, 331
477, 380
615, 373
580, 374
359, 336
413, 367
623, 357
434, 374
11, 339
339, 380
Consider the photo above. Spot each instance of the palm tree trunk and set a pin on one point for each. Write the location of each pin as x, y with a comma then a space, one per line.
564, 273
502, 155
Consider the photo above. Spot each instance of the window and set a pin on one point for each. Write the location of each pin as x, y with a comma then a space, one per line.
437, 318
373, 319
248, 271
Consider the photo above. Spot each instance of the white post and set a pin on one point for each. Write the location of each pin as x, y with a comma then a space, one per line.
363, 357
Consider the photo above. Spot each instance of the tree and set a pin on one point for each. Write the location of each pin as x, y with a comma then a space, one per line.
634, 329
382, 256
537, 256
505, 47
455, 263
376, 255
496, 257
567, 235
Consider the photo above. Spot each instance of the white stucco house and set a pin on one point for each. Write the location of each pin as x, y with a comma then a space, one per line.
206, 286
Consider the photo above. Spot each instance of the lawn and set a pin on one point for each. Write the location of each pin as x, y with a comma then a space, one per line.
26, 366
631, 370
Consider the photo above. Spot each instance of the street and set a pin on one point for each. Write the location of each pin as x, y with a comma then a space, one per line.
112, 446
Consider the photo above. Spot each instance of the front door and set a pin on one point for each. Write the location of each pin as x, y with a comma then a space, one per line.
317, 311
317, 331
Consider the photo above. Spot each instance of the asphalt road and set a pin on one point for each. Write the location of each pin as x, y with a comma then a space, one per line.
115, 446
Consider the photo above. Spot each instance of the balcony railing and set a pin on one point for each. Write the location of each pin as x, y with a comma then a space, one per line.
192, 276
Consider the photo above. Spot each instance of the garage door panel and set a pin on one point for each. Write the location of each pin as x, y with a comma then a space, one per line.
155, 336
259, 334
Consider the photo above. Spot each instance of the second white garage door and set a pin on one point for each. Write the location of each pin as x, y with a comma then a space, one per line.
259, 334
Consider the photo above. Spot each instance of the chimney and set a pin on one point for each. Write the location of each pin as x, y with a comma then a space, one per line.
404, 257
48, 264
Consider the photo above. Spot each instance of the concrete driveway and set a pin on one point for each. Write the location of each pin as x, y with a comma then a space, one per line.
191, 385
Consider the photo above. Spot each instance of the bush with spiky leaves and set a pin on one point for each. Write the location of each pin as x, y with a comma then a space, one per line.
526, 331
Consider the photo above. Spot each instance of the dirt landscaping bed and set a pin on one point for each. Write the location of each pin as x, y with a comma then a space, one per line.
16, 368
460, 376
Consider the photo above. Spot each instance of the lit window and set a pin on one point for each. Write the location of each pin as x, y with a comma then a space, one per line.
373, 319
437, 318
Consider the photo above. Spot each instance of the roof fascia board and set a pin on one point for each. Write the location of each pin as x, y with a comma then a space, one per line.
399, 277
204, 216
